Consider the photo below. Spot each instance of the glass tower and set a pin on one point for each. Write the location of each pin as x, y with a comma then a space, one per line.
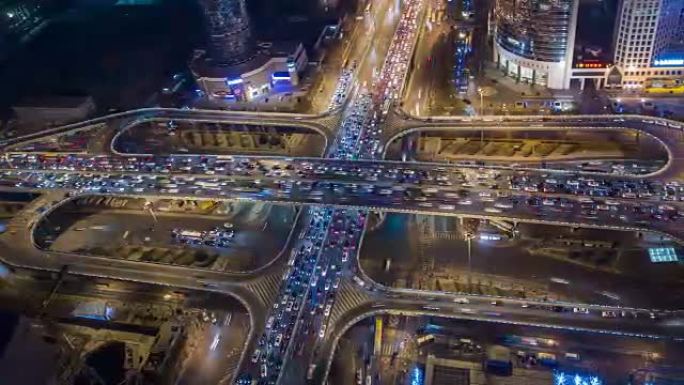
534, 29
229, 34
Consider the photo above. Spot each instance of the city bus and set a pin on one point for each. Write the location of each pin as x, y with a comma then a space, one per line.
664, 86
425, 339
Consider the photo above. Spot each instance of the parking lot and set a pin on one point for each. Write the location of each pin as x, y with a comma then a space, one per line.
542, 262
168, 136
208, 235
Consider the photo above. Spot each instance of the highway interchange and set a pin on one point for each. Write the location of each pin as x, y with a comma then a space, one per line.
296, 324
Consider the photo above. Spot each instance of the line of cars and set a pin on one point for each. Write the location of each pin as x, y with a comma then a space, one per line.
342, 88
388, 84
529, 182
270, 352
629, 202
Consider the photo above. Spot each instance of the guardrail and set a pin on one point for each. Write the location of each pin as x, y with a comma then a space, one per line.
664, 168
159, 110
424, 211
418, 313
131, 125
446, 294
73, 196
543, 118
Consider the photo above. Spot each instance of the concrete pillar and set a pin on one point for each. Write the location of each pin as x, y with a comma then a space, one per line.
518, 75
534, 77
582, 83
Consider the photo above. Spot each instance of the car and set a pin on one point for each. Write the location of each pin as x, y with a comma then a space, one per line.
608, 314
256, 355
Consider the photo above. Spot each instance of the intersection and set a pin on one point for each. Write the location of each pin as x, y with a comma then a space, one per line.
295, 324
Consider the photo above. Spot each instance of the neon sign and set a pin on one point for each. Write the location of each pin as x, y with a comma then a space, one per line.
563, 378
668, 62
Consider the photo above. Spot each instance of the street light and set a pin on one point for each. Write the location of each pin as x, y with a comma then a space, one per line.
481, 92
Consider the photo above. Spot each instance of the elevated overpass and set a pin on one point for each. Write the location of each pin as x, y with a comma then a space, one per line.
324, 124
667, 132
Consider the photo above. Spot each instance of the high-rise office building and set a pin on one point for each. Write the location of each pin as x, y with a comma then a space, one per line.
647, 41
234, 67
229, 35
534, 40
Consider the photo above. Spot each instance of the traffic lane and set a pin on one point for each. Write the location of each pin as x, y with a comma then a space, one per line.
256, 243
284, 191
617, 356
217, 351
311, 324
234, 167
620, 218
552, 320
560, 185
639, 283
127, 118
275, 342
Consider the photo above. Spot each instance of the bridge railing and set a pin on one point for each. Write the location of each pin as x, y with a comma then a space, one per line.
158, 110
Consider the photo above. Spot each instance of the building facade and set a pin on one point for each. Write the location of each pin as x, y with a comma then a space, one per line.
534, 39
273, 70
648, 43
229, 34
234, 67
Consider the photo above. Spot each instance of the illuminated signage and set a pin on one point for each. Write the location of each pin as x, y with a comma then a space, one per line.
564, 378
591, 65
668, 62
281, 75
234, 82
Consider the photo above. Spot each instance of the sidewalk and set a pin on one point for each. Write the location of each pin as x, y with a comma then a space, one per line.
503, 91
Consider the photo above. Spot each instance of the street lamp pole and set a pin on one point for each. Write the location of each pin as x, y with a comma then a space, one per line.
481, 92
469, 238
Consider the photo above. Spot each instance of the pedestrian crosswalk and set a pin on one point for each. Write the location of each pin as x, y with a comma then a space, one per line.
387, 349
349, 297
266, 288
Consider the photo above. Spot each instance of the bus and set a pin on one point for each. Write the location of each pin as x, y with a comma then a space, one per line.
664, 86
425, 339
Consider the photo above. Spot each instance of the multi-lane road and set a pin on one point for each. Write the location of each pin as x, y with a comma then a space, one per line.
300, 308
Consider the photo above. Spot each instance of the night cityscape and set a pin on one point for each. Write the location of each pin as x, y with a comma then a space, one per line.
342, 192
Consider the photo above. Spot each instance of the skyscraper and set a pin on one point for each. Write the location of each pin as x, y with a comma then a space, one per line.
647, 41
534, 40
234, 67
229, 34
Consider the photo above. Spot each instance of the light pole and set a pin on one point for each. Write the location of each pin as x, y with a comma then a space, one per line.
481, 92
